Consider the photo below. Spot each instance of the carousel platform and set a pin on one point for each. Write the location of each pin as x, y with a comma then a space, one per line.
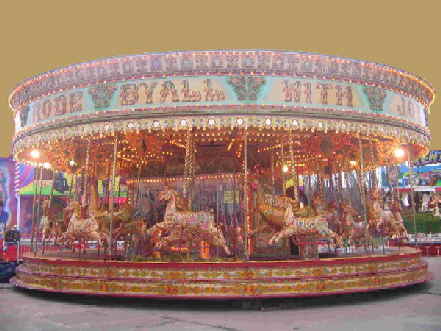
223, 280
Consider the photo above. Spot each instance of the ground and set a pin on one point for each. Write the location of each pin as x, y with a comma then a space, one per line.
414, 308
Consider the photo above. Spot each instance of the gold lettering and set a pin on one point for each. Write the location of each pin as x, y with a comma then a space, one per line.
76, 102
129, 94
60, 105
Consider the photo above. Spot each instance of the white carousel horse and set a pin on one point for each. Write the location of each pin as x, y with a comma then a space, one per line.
186, 225
82, 228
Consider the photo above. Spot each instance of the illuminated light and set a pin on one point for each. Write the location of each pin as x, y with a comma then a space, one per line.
211, 121
353, 163
294, 122
183, 122
72, 163
239, 121
156, 123
46, 165
35, 153
285, 168
267, 121
399, 153
131, 125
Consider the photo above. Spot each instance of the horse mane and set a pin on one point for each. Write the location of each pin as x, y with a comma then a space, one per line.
181, 203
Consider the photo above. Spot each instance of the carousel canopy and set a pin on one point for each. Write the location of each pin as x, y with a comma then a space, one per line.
150, 101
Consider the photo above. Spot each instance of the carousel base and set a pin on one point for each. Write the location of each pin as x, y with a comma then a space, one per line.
223, 280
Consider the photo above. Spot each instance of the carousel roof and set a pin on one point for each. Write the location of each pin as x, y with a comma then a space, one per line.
222, 89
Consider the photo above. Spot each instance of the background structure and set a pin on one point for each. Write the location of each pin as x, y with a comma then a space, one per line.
42, 35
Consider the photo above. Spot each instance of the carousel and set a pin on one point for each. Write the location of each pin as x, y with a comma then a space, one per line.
220, 174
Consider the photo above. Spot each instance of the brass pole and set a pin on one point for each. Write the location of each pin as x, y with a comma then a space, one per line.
34, 201
246, 221
273, 180
38, 207
412, 193
361, 182
294, 172
282, 165
84, 198
51, 194
111, 191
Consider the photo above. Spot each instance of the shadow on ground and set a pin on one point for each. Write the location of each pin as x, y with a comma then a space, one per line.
225, 305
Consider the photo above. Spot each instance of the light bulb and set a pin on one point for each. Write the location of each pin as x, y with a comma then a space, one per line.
399, 153
35, 153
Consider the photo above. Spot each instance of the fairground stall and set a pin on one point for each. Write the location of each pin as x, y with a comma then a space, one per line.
424, 177
8, 248
419, 187
248, 174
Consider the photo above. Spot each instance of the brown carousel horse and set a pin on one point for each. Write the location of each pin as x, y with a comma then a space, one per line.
388, 223
51, 226
321, 208
287, 219
351, 227
124, 225
395, 228
46, 224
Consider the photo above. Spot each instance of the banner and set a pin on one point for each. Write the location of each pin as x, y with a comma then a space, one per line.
431, 158
170, 95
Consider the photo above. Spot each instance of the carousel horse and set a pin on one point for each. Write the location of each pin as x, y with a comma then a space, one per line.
285, 219
45, 224
187, 225
67, 214
294, 225
129, 227
50, 226
81, 228
388, 223
122, 227
395, 228
272, 214
144, 206
375, 213
321, 208
351, 227
125, 226
132, 233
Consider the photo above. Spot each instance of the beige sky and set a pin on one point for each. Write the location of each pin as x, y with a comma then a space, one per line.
38, 36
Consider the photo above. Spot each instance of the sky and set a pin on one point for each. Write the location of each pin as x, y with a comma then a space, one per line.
38, 36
